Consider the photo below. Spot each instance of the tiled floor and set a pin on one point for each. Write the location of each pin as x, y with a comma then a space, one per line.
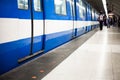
97, 59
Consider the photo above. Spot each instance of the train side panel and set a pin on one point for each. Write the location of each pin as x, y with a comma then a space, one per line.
30, 26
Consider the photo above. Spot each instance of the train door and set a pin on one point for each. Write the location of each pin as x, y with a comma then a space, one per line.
73, 14
31, 19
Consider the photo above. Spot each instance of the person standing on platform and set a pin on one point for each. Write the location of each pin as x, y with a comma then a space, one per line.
119, 21
105, 20
108, 22
101, 19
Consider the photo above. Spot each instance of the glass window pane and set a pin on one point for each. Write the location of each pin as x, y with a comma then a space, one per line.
23, 4
72, 7
37, 5
92, 14
81, 9
60, 7
84, 11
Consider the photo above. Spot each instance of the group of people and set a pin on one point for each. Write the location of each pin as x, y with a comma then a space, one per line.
110, 21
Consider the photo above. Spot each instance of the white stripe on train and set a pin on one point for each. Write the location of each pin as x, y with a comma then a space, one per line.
14, 29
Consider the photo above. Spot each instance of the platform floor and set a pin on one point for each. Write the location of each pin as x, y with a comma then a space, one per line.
93, 56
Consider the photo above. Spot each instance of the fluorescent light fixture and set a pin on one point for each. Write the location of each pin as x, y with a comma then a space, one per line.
105, 7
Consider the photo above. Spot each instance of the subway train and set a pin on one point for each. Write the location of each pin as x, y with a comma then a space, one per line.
30, 28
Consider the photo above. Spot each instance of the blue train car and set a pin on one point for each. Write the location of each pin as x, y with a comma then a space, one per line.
32, 27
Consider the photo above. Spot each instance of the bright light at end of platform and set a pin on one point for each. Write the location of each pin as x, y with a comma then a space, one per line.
105, 7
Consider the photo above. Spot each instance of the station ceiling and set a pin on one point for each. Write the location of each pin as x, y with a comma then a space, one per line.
112, 5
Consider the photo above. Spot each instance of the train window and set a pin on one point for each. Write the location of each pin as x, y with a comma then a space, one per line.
23, 4
81, 9
60, 7
37, 5
92, 14
84, 11
72, 6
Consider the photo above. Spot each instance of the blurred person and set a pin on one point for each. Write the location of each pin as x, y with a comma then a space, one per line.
119, 21
101, 19
108, 22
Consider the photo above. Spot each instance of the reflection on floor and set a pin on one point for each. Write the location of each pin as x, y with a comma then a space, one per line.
97, 59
